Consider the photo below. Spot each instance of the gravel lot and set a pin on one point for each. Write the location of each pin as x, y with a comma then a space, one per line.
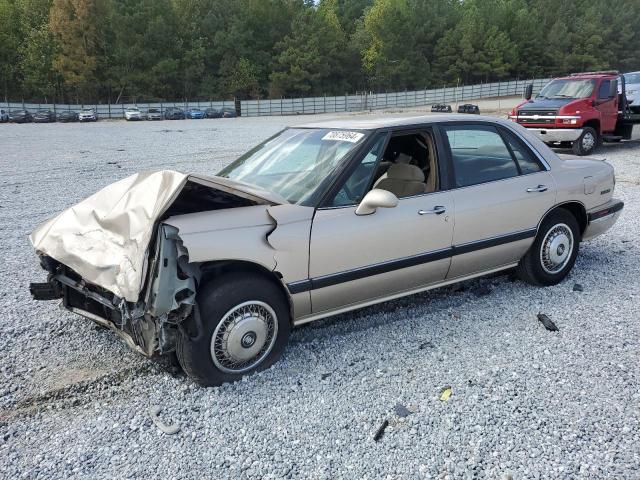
525, 402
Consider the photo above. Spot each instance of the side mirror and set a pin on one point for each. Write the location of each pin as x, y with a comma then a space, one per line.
528, 92
376, 198
613, 89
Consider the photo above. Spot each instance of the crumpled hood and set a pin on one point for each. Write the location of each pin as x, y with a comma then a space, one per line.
105, 238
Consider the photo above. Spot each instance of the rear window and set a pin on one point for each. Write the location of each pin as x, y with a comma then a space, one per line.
479, 155
524, 156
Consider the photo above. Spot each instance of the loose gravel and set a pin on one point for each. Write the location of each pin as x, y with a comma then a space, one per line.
524, 402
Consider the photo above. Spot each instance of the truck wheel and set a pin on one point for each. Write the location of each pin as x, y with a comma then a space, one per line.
587, 142
554, 251
241, 326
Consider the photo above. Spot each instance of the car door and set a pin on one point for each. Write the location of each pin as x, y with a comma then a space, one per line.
501, 191
607, 106
359, 259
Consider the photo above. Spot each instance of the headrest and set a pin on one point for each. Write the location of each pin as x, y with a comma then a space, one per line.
403, 158
402, 171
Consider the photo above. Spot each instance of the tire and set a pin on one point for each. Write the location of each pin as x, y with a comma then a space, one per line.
208, 341
588, 141
549, 260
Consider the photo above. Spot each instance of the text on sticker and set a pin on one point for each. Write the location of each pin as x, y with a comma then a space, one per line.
344, 136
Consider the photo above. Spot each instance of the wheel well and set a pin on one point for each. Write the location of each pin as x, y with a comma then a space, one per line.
214, 269
578, 211
595, 124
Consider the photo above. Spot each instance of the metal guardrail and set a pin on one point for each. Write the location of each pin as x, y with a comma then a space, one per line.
312, 105
377, 101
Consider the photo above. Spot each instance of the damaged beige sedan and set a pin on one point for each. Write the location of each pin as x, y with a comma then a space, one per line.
317, 220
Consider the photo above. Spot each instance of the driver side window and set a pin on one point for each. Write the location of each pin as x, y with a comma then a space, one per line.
406, 168
358, 182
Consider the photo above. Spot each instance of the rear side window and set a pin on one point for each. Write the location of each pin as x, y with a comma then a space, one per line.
525, 157
479, 155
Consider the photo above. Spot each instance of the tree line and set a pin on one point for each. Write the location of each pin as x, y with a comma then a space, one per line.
154, 50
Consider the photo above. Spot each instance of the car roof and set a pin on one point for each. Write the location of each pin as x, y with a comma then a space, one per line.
388, 121
588, 76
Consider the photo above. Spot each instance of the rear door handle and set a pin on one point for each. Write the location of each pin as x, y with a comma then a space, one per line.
437, 210
539, 188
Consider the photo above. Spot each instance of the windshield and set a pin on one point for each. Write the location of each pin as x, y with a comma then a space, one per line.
294, 162
632, 77
568, 89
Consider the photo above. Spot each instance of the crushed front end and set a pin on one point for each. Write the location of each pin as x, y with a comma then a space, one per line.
149, 325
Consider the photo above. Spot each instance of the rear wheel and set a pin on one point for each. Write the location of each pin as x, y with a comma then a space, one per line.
554, 251
241, 326
587, 143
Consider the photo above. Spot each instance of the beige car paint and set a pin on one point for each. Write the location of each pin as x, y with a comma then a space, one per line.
388, 234
276, 238
495, 209
105, 238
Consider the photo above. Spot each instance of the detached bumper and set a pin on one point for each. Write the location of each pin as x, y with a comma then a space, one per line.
602, 218
549, 135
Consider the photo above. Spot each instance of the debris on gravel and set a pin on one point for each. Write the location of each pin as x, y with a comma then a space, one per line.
401, 411
577, 287
380, 432
154, 413
445, 394
547, 322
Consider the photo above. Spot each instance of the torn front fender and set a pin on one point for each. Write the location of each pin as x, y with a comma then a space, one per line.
105, 238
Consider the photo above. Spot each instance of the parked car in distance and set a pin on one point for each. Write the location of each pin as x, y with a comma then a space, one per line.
133, 113
87, 115
154, 114
318, 220
44, 116
20, 116
228, 112
632, 81
68, 116
173, 113
194, 113
4, 116
213, 112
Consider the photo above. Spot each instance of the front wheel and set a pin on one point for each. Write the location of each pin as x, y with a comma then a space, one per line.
241, 326
587, 142
554, 251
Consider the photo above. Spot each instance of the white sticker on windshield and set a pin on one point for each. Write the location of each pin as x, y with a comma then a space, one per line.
343, 136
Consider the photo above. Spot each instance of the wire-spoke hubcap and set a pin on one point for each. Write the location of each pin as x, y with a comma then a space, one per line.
588, 141
244, 337
557, 247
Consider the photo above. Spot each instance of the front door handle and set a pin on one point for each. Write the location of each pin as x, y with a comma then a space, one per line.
437, 210
539, 188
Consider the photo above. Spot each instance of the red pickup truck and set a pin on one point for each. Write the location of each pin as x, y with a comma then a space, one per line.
579, 111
